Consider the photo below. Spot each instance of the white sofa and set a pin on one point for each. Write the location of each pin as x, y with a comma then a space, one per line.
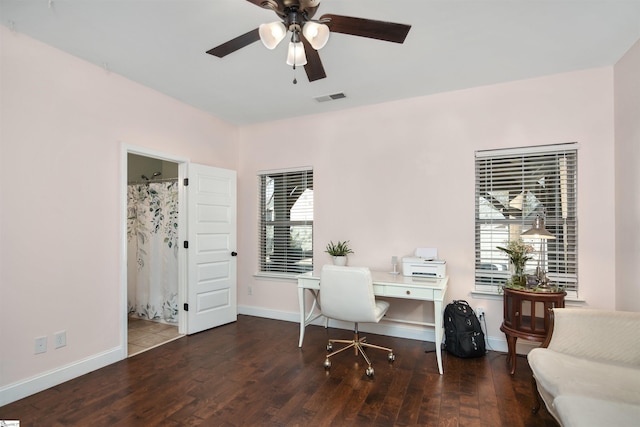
587, 372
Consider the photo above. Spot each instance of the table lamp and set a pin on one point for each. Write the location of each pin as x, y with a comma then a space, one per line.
537, 231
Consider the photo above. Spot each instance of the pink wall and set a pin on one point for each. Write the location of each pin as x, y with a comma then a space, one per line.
400, 175
388, 177
63, 121
627, 155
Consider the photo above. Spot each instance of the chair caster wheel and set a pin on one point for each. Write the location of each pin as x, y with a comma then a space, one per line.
329, 347
369, 372
391, 357
327, 363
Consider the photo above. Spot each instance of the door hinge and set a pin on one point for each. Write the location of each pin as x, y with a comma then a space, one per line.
186, 306
186, 244
185, 182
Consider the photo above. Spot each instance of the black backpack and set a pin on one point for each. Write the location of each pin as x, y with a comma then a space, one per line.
463, 332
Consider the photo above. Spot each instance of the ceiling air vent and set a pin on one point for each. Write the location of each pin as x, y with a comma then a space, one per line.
332, 97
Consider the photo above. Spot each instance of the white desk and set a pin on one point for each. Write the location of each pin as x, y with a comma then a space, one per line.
384, 285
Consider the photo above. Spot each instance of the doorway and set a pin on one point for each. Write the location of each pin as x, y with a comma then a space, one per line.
153, 268
207, 236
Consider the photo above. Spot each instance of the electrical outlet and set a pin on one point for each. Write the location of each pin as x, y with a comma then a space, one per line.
249, 290
480, 312
40, 345
60, 339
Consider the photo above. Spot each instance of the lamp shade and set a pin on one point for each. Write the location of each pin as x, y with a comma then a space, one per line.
538, 231
316, 34
296, 54
272, 34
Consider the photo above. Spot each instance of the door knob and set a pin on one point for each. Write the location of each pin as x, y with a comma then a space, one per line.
234, 253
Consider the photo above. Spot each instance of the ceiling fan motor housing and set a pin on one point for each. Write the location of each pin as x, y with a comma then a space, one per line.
283, 7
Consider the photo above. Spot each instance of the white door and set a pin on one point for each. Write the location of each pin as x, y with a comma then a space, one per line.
211, 257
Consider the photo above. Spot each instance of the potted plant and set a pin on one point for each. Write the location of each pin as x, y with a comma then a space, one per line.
519, 254
339, 251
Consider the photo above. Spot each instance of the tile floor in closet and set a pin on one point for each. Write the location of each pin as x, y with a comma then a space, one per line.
144, 334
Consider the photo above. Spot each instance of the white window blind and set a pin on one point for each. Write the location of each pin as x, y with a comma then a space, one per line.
286, 221
514, 186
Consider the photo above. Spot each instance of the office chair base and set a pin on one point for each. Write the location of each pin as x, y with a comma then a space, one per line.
358, 344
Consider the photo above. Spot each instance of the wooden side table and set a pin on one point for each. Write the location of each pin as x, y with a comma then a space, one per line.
526, 315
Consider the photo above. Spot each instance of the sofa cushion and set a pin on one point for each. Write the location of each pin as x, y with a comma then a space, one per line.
578, 411
560, 374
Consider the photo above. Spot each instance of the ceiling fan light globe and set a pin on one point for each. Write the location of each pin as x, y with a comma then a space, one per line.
316, 34
271, 34
296, 55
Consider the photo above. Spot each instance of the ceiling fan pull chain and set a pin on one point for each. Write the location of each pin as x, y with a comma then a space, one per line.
295, 81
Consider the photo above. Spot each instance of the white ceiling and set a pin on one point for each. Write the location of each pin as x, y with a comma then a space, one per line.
452, 45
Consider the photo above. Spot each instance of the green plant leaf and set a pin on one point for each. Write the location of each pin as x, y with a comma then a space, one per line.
338, 249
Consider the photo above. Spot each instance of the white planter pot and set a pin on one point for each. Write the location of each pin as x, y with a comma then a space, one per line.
340, 260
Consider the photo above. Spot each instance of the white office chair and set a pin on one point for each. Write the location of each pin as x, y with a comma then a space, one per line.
346, 293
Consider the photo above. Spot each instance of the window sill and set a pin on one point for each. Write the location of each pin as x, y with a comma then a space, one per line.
573, 301
486, 295
293, 277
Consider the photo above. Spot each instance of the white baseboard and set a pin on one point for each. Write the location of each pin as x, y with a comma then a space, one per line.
393, 329
16, 391
496, 344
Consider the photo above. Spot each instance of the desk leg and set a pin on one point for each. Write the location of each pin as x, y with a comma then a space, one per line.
303, 314
437, 312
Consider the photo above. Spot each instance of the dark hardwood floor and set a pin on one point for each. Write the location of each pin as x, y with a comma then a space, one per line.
251, 373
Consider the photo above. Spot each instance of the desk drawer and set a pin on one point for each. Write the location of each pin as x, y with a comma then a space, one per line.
409, 292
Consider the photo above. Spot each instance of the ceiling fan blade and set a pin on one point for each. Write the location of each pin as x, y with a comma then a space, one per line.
313, 67
381, 30
234, 44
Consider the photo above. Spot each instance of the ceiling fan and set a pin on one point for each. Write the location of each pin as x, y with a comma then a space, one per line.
309, 35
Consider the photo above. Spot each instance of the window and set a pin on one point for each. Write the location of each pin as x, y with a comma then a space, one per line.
286, 221
513, 186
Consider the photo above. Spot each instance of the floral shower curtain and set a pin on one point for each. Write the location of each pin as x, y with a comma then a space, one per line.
152, 235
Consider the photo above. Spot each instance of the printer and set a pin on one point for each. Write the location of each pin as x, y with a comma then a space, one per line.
424, 264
